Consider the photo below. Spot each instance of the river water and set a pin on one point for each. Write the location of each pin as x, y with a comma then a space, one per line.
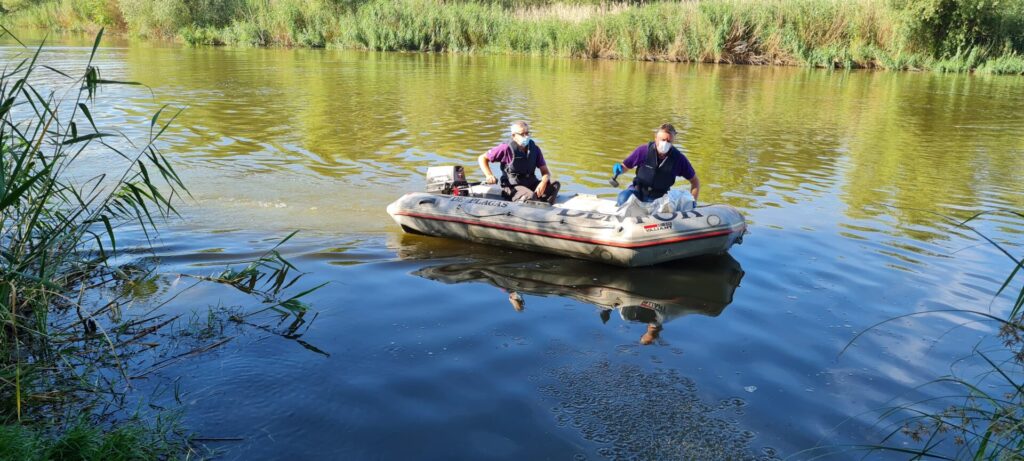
413, 349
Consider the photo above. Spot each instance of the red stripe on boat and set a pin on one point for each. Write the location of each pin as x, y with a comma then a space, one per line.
569, 237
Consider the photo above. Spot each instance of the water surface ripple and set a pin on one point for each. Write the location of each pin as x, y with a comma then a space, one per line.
415, 350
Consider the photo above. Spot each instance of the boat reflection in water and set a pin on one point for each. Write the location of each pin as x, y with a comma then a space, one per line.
652, 295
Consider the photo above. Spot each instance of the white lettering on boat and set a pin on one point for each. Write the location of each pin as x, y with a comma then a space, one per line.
595, 216
665, 217
480, 201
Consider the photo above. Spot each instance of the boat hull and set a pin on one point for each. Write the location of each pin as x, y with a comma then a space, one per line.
572, 228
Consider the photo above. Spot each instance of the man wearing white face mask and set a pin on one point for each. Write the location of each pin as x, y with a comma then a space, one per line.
520, 158
658, 164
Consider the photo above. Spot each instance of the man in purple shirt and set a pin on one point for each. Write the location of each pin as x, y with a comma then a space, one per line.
519, 158
658, 163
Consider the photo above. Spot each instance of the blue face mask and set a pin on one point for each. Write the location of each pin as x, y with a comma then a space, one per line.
524, 141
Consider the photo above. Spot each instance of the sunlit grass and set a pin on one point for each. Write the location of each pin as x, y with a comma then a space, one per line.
909, 34
1011, 64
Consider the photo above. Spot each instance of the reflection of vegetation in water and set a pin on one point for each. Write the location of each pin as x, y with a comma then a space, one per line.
978, 147
631, 413
138, 282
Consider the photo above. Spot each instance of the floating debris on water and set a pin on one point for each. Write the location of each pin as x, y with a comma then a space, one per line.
638, 414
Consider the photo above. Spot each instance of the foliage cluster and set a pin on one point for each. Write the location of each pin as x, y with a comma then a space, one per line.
85, 441
946, 35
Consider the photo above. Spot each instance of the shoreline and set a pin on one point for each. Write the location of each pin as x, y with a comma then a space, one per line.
863, 34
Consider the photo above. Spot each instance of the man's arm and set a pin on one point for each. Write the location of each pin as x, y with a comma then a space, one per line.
631, 161
545, 179
485, 166
686, 169
635, 158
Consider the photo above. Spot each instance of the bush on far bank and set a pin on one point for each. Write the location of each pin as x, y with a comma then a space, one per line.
943, 35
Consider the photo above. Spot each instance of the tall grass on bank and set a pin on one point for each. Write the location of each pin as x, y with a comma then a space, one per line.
946, 35
68, 351
82, 440
56, 235
984, 418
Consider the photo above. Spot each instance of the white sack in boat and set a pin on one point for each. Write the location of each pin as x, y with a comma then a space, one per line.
674, 200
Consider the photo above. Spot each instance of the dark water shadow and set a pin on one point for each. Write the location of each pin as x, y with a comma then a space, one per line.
652, 295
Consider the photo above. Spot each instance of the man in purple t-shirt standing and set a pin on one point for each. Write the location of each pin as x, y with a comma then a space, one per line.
519, 158
658, 163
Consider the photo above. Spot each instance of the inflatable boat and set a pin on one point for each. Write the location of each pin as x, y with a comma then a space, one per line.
576, 225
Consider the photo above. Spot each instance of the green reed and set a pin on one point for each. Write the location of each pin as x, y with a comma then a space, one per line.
57, 235
67, 352
945, 35
81, 440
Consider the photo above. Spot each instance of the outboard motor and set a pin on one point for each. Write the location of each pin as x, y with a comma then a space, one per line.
449, 180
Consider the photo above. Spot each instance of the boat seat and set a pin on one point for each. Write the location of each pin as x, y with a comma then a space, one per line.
491, 191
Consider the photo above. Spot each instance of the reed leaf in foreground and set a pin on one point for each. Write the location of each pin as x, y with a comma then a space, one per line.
268, 276
67, 354
57, 235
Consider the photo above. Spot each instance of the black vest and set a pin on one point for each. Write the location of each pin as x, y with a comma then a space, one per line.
520, 171
655, 180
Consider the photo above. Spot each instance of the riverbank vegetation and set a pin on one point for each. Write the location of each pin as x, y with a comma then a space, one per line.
943, 35
73, 339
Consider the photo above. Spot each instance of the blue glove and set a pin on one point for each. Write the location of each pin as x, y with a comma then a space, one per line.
617, 169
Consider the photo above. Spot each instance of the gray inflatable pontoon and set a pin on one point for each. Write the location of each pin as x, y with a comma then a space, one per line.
579, 225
